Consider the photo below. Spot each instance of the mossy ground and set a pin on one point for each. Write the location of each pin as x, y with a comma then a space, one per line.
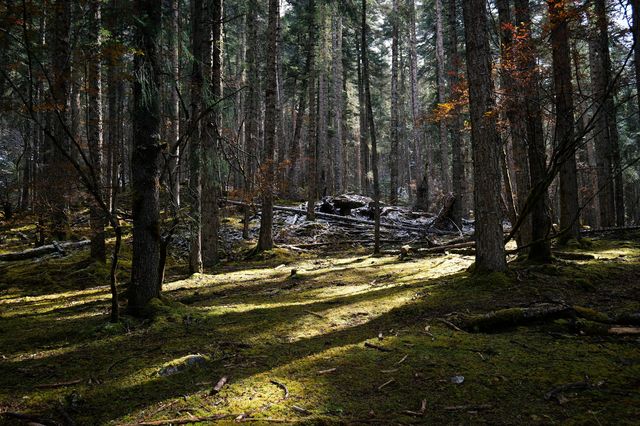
256, 324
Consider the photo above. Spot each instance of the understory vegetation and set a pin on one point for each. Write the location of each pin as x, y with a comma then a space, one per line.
323, 338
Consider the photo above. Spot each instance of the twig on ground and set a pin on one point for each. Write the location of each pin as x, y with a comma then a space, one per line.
450, 324
388, 382
283, 387
380, 348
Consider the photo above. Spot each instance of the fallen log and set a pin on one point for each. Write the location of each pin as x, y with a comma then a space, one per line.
42, 250
510, 317
434, 250
344, 219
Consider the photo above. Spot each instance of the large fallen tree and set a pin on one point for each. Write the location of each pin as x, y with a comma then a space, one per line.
55, 247
344, 219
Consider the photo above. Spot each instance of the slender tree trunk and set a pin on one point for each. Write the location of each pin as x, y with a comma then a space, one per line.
56, 185
338, 164
252, 101
422, 187
372, 131
635, 30
265, 241
540, 249
173, 119
607, 132
146, 156
312, 141
94, 130
394, 125
364, 133
455, 126
211, 142
195, 142
564, 126
515, 112
490, 254
442, 124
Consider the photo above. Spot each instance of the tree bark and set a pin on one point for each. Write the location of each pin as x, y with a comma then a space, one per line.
55, 190
490, 253
514, 106
146, 123
312, 142
338, 149
212, 140
394, 125
173, 119
372, 131
564, 125
94, 130
195, 142
265, 241
455, 126
442, 124
540, 249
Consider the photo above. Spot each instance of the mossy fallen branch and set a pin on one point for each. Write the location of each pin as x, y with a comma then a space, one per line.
42, 250
584, 320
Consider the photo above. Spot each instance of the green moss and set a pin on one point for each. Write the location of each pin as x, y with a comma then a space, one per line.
591, 314
255, 325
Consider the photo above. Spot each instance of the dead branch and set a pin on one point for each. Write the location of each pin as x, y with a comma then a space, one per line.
283, 387
380, 348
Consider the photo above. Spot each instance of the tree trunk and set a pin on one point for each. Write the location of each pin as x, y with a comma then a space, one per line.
372, 131
211, 140
338, 164
265, 241
94, 130
252, 105
422, 187
173, 119
394, 125
195, 142
455, 126
442, 124
55, 189
146, 157
635, 30
490, 253
606, 133
312, 142
364, 138
515, 112
540, 249
564, 126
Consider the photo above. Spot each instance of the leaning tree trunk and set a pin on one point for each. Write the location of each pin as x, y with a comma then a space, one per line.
490, 253
564, 126
265, 240
146, 120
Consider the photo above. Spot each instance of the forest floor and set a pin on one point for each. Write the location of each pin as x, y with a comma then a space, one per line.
347, 339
